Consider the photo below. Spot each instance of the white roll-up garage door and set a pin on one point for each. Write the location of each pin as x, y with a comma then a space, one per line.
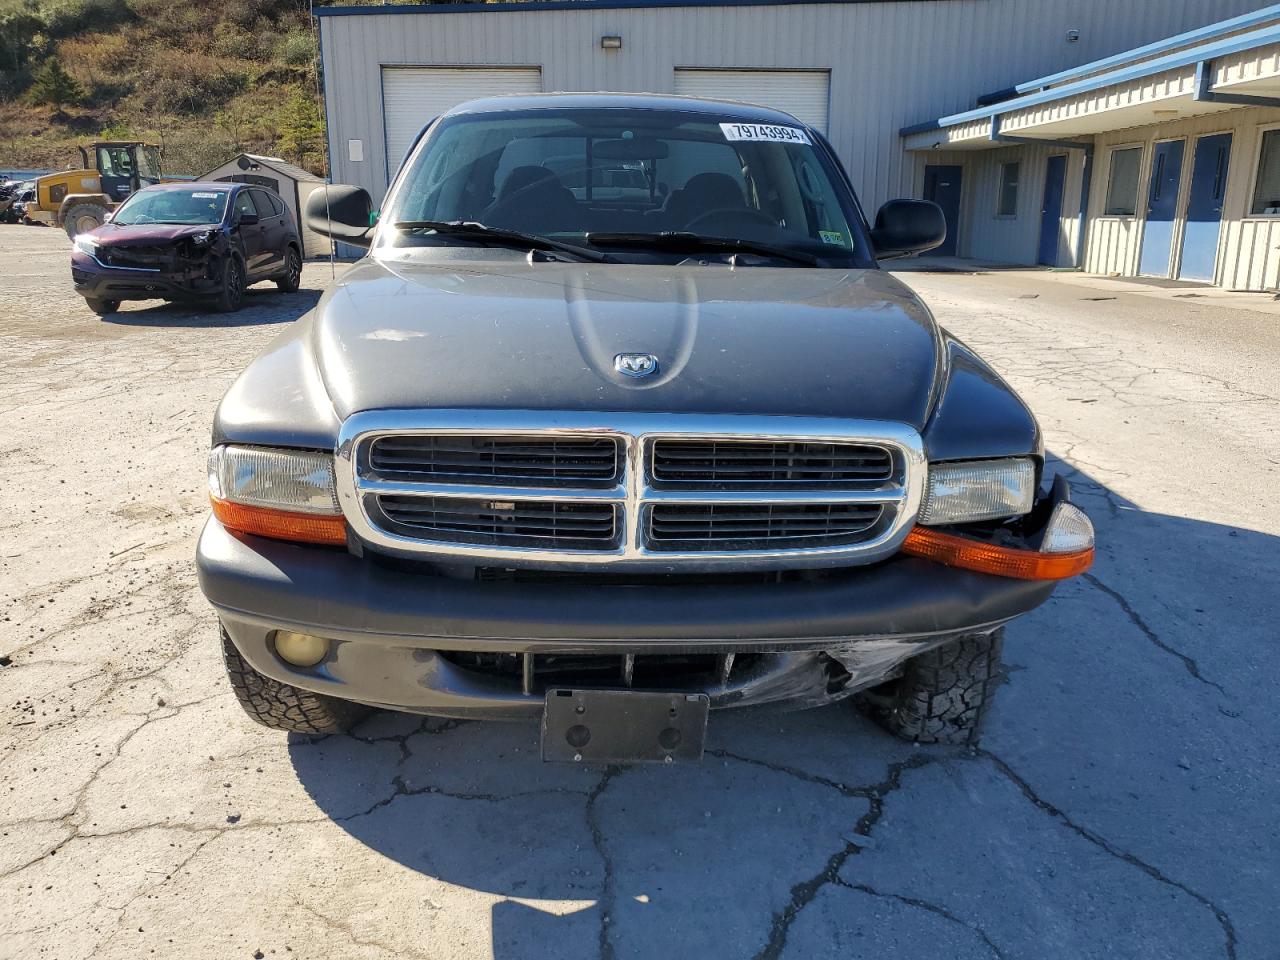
801, 93
414, 96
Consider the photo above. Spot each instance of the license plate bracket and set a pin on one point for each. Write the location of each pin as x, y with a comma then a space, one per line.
623, 726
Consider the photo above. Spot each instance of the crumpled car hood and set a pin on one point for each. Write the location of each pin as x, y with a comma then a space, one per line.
145, 234
517, 335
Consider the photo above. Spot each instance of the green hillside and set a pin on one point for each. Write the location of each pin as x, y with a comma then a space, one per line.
205, 80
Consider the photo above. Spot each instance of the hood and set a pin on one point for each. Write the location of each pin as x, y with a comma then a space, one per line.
517, 335
146, 234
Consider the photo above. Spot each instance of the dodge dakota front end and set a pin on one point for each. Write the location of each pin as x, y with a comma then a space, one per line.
619, 423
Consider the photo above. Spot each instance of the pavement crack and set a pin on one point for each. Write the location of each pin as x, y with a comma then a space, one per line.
1136, 619
1102, 843
345, 930
605, 951
803, 893
931, 908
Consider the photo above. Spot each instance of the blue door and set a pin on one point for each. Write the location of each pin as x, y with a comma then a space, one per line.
1055, 175
942, 186
1204, 207
1162, 202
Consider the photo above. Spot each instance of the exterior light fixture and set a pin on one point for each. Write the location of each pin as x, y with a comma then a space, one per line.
610, 43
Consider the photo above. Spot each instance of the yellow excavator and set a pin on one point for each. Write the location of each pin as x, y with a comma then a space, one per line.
79, 200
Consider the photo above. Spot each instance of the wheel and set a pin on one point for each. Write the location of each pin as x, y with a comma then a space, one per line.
282, 706
83, 217
291, 279
942, 695
102, 307
231, 294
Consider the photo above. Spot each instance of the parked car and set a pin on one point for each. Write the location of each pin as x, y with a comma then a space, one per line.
188, 241
616, 461
20, 193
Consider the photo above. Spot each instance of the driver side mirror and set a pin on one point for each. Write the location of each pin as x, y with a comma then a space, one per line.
904, 227
342, 212
246, 219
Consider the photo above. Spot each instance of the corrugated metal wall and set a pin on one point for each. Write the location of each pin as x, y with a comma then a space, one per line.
891, 63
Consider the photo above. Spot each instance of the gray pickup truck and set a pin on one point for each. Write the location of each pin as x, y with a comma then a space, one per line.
618, 423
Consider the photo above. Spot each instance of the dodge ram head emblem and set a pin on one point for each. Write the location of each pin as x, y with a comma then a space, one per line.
636, 364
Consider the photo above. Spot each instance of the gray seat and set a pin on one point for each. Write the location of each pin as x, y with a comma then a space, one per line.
703, 193
533, 200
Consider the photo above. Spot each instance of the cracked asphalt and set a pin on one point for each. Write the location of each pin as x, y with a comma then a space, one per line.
1122, 802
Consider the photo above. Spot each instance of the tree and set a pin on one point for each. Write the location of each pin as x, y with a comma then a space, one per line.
301, 130
54, 86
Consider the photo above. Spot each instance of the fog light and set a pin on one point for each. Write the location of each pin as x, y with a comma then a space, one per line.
300, 649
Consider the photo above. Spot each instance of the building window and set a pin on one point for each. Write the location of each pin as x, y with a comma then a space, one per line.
1266, 191
1007, 200
1122, 187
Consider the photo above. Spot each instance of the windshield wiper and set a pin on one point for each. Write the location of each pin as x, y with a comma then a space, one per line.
692, 242
472, 230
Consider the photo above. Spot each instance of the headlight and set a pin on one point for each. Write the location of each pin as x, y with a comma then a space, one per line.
979, 490
86, 245
202, 239
286, 494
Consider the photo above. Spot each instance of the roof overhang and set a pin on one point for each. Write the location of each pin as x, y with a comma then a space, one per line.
1239, 71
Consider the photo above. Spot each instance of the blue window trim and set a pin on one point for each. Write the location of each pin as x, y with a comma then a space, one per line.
1195, 55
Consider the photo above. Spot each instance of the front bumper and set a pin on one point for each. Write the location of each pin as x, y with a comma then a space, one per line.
94, 281
810, 641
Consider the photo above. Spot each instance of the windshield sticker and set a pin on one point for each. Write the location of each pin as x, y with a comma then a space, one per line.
206, 196
764, 131
831, 236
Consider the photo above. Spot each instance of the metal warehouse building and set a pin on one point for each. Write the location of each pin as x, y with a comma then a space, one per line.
1109, 160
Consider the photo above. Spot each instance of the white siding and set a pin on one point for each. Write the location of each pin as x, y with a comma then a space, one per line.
1248, 248
804, 94
891, 64
414, 96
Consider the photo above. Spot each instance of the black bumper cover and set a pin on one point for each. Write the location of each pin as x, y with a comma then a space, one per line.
819, 640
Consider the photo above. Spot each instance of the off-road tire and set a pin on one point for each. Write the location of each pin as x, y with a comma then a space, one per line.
282, 706
942, 695
291, 279
78, 217
102, 307
234, 280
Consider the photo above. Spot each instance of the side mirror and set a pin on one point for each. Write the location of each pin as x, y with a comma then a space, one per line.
342, 212
246, 219
904, 227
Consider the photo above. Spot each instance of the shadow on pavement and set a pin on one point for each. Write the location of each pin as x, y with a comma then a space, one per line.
262, 305
1084, 825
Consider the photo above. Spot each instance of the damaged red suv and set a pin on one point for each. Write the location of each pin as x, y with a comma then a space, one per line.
188, 241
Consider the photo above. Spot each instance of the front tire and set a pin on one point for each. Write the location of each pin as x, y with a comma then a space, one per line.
942, 695
282, 706
231, 294
102, 307
291, 279
83, 217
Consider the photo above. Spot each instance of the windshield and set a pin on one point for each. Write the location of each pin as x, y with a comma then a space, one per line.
172, 206
614, 178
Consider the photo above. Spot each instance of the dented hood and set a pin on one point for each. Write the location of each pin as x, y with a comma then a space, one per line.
512, 334
146, 234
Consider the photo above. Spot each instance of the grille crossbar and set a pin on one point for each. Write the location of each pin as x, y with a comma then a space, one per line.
534, 489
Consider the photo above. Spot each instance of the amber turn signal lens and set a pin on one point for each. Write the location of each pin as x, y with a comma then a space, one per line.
280, 524
987, 558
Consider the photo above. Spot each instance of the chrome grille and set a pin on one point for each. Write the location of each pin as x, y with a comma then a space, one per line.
562, 490
747, 526
581, 526
763, 463
549, 461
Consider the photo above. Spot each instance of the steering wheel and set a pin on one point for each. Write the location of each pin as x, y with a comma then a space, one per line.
729, 221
